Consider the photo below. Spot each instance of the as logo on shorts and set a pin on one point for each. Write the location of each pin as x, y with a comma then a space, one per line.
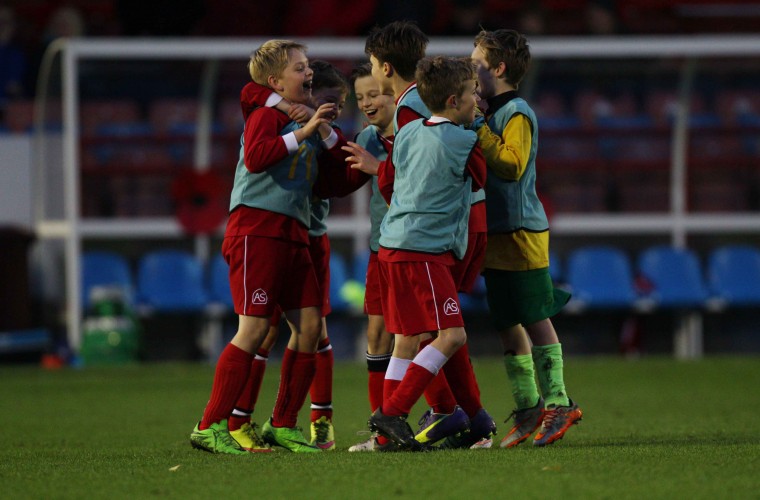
450, 307
259, 297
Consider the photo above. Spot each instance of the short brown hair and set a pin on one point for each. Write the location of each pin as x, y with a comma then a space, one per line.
360, 71
271, 59
440, 77
509, 47
327, 76
400, 43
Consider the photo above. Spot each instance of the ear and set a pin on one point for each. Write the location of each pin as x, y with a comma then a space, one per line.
273, 83
452, 102
388, 70
499, 70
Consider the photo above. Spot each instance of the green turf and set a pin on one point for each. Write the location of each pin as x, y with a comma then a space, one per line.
653, 428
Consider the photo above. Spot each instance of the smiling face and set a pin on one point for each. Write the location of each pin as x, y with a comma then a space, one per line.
376, 106
486, 77
464, 111
294, 84
331, 95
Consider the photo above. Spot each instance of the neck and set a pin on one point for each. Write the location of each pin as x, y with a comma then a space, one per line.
399, 85
449, 114
501, 86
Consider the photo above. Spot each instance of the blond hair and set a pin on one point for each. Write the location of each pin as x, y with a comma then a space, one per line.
271, 59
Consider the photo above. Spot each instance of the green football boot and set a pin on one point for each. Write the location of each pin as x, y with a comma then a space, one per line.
289, 438
216, 439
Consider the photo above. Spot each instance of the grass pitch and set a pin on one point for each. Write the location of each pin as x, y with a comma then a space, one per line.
652, 428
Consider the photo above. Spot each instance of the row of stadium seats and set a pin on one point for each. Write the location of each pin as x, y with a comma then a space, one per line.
662, 277
555, 110
599, 277
177, 281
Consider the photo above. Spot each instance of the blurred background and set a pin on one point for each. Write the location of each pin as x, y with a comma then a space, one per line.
120, 131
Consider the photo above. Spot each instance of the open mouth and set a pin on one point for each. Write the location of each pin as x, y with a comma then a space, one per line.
307, 85
370, 113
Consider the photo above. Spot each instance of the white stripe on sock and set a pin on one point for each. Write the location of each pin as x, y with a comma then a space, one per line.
430, 359
397, 368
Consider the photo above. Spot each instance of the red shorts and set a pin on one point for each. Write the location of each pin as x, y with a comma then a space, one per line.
373, 287
465, 272
420, 297
319, 249
267, 272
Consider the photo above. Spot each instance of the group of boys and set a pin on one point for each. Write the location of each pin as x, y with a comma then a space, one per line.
443, 176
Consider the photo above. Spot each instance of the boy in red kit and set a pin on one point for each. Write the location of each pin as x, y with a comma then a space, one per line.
394, 51
266, 246
378, 108
437, 165
328, 86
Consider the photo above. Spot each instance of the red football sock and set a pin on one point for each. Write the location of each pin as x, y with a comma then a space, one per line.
231, 374
409, 391
321, 388
377, 365
246, 403
394, 373
438, 393
389, 387
461, 377
296, 376
439, 396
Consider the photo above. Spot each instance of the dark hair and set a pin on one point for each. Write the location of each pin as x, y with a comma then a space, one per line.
360, 71
400, 43
506, 46
440, 77
327, 76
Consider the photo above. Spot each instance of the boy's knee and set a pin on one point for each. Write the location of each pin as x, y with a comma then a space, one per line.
454, 338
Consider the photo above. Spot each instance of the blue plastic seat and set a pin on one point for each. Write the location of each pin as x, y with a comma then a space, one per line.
600, 277
338, 278
675, 275
101, 268
171, 281
219, 281
733, 274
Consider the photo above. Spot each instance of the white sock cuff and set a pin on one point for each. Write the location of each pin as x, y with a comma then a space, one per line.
320, 407
430, 359
397, 368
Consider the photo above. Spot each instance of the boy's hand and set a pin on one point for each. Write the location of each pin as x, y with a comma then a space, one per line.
321, 116
300, 113
361, 158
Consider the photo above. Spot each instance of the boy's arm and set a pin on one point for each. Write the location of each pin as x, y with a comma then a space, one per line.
336, 177
255, 95
263, 144
507, 155
386, 174
476, 168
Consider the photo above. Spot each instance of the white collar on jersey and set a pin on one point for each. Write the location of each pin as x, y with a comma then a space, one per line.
438, 119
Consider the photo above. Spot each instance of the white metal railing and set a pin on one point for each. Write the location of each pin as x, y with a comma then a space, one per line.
676, 222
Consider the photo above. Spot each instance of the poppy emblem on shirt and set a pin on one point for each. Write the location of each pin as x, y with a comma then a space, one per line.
450, 307
259, 296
